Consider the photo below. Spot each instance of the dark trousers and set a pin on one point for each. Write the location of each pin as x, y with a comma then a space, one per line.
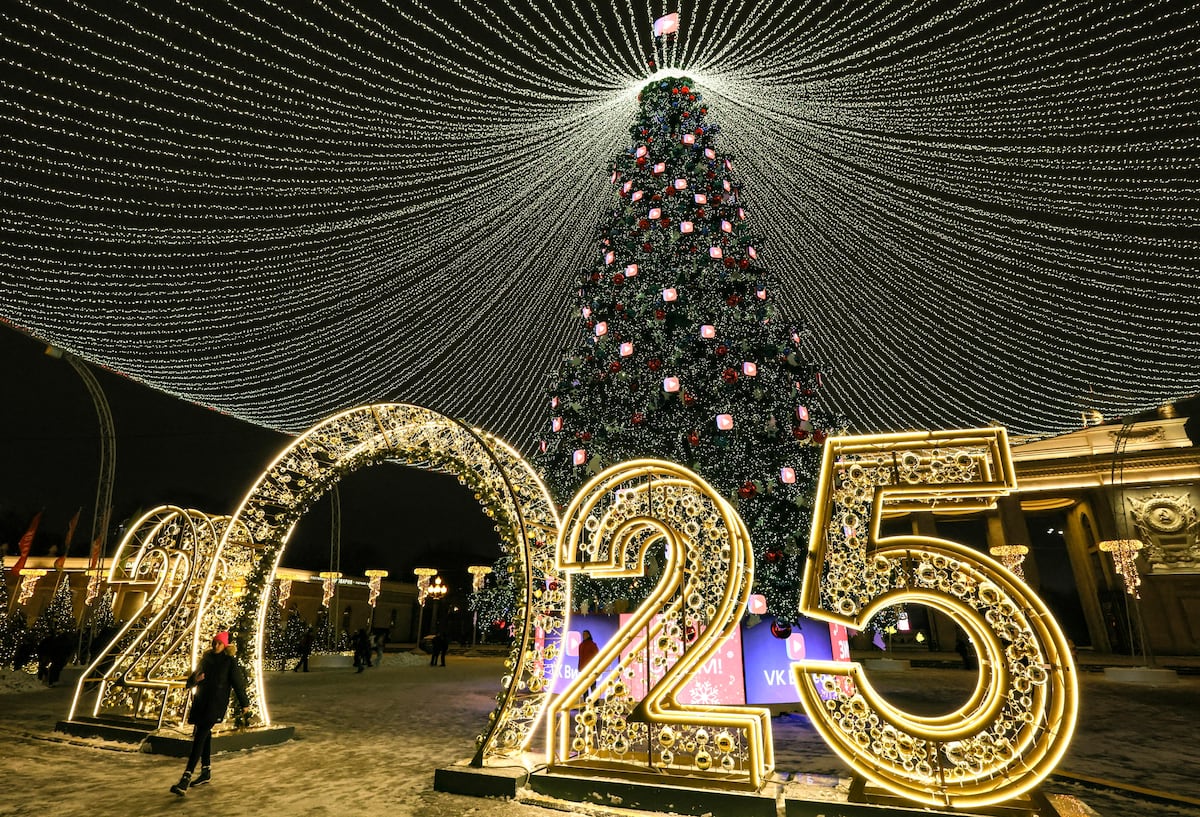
201, 746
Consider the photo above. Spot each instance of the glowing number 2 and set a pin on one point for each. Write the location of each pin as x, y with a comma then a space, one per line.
1017, 723
610, 528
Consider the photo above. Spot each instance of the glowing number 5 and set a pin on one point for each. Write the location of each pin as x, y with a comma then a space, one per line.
620, 521
1017, 723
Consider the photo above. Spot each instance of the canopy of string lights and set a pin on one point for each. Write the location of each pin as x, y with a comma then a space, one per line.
984, 212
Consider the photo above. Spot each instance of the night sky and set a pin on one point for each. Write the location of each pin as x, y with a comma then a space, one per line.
172, 452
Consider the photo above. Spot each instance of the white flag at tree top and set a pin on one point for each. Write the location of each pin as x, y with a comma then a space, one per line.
667, 24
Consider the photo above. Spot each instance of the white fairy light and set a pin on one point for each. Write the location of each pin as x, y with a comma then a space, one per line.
982, 214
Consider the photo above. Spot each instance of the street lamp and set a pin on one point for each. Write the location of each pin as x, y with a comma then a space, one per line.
29, 581
1011, 556
329, 581
375, 577
423, 574
437, 590
478, 576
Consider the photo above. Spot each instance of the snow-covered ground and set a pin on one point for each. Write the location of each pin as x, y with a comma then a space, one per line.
369, 743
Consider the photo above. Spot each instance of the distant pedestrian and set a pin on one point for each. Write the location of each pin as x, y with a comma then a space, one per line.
587, 651
55, 651
305, 649
362, 649
441, 645
964, 647
218, 675
377, 642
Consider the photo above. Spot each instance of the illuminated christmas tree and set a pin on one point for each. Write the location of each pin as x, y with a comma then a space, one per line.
59, 616
293, 634
687, 357
496, 602
275, 648
8, 642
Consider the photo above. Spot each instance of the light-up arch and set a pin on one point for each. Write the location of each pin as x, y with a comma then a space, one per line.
504, 483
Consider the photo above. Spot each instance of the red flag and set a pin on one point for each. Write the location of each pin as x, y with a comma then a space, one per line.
61, 561
26, 543
95, 560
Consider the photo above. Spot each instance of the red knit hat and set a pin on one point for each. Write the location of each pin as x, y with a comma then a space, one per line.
221, 637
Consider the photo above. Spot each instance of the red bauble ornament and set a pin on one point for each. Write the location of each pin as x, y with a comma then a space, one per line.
730, 376
721, 350
699, 131
748, 490
656, 197
704, 110
685, 89
780, 630
499, 624
638, 418
643, 224
728, 261
693, 438
585, 435
595, 277
800, 433
773, 555
685, 114
819, 437
619, 278
647, 246
619, 307
688, 400
665, 221
654, 363
733, 300
745, 262
615, 366
700, 212
661, 314
670, 191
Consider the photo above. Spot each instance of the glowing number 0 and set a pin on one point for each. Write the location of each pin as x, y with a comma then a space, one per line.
610, 722
1017, 723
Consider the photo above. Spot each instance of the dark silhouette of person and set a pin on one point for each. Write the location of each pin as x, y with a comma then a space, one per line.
587, 651
218, 675
440, 645
377, 644
54, 652
362, 649
305, 649
964, 647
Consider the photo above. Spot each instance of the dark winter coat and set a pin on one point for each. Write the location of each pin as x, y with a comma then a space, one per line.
220, 674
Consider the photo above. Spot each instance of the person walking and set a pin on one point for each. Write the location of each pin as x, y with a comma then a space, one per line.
441, 645
218, 675
305, 649
587, 651
378, 643
362, 649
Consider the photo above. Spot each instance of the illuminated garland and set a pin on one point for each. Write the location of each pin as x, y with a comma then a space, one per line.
984, 212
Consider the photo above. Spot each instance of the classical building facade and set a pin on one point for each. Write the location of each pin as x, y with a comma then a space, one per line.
1121, 481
